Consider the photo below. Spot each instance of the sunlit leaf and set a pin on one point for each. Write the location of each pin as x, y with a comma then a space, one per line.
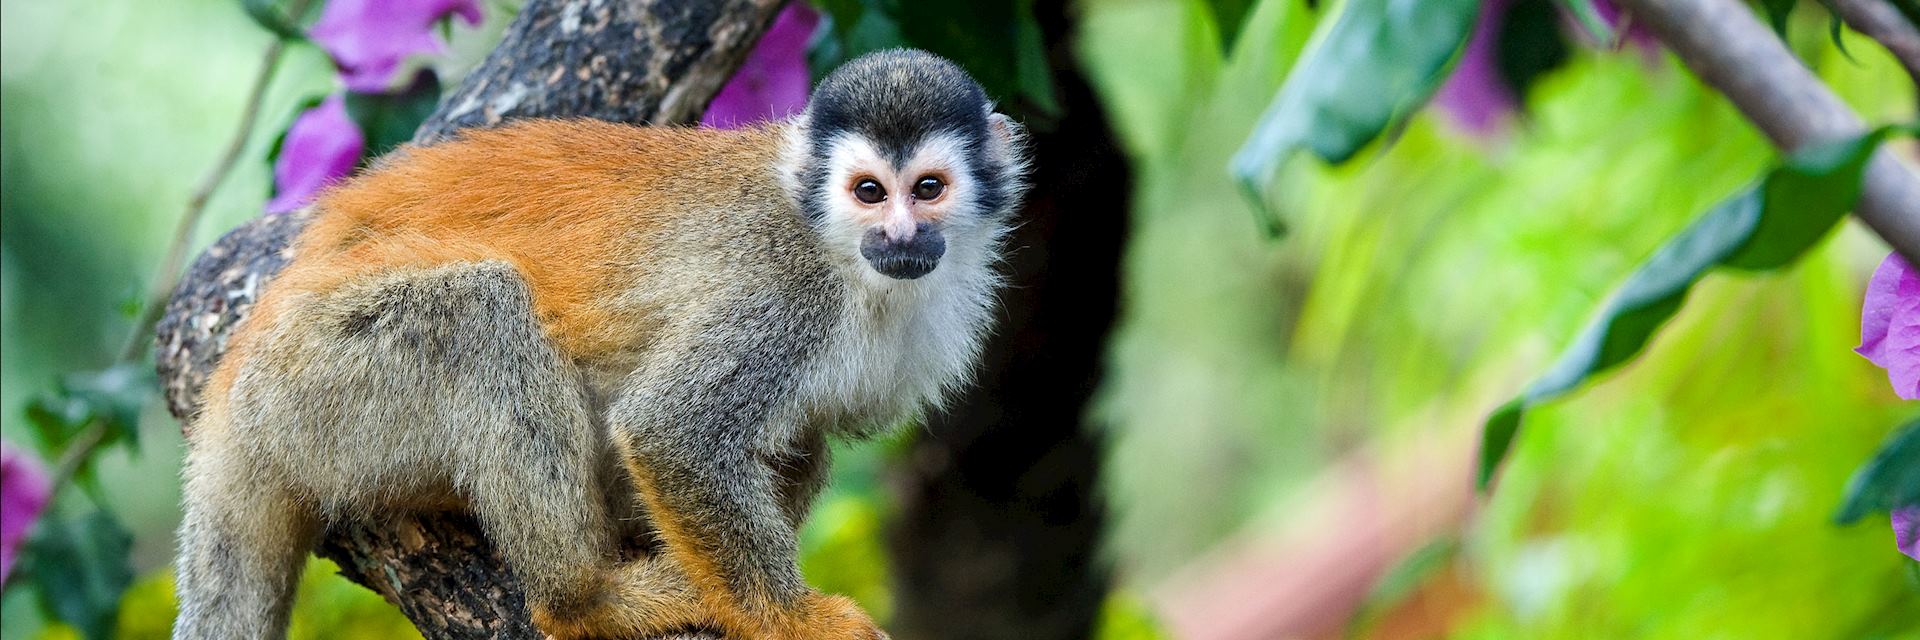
1765, 226
1891, 479
1376, 63
81, 566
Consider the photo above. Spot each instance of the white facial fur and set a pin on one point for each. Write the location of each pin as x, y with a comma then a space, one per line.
905, 344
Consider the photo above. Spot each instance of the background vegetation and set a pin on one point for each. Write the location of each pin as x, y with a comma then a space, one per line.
1292, 421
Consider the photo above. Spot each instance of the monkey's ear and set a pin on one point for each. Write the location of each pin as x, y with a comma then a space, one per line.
1006, 139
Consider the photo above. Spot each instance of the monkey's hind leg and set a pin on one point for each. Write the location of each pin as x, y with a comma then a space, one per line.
243, 542
519, 434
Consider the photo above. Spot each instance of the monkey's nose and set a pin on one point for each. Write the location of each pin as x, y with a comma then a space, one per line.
904, 258
901, 227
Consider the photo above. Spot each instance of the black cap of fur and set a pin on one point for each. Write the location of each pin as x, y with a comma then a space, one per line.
896, 98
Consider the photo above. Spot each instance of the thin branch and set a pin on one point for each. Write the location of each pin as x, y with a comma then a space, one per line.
91, 437
76, 453
1879, 20
1727, 46
168, 274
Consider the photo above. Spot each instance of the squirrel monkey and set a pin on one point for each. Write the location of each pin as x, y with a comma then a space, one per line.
536, 322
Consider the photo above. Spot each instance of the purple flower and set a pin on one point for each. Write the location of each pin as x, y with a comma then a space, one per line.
1890, 324
1476, 96
773, 82
322, 146
370, 39
24, 490
1906, 531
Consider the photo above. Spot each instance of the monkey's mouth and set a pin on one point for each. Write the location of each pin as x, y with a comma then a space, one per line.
904, 259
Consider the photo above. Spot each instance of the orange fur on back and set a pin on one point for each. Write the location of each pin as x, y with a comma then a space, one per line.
575, 205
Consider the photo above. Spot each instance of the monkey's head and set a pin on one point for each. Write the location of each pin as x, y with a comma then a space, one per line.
901, 158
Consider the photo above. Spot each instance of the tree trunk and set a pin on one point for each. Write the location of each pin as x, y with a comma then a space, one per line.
1001, 516
640, 61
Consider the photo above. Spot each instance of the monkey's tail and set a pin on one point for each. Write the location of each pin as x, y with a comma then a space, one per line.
242, 546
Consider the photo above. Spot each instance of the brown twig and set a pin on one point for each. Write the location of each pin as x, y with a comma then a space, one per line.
77, 452
91, 437
168, 274
1727, 46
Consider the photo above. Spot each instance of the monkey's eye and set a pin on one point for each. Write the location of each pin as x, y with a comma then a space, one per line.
869, 191
929, 188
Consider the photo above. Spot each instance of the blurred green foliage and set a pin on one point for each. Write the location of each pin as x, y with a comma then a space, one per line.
1688, 494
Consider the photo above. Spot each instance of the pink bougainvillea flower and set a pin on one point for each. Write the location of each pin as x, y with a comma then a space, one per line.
371, 39
1890, 324
24, 490
322, 146
1476, 97
773, 82
1906, 531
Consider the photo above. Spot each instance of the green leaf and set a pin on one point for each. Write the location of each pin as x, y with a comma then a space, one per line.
1765, 226
1891, 479
1034, 73
269, 17
81, 568
1834, 29
114, 395
1375, 64
1229, 17
1497, 437
1778, 11
389, 119
998, 41
1529, 44
1590, 20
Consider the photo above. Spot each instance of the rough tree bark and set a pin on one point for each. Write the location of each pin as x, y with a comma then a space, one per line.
1001, 515
640, 61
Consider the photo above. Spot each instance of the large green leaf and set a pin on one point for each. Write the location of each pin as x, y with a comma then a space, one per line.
81, 568
1765, 226
1376, 63
1891, 479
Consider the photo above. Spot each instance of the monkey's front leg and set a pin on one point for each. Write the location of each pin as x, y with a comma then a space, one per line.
694, 427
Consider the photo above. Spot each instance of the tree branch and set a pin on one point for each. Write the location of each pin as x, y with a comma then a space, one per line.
1727, 46
637, 61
